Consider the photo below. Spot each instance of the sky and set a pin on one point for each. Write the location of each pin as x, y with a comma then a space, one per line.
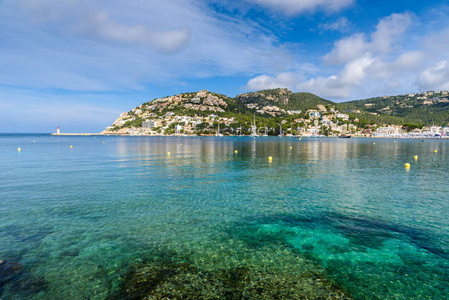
78, 64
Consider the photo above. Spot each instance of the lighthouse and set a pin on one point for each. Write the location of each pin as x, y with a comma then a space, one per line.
57, 130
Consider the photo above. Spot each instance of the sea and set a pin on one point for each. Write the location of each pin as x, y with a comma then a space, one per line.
123, 217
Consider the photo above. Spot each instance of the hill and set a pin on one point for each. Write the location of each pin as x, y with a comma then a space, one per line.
268, 107
422, 109
201, 112
284, 99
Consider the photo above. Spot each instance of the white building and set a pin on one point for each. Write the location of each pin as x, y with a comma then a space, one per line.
150, 124
314, 114
178, 129
436, 130
342, 116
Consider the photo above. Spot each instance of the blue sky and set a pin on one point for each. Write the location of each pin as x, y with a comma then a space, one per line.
78, 64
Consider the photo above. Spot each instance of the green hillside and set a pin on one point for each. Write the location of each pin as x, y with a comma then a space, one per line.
285, 99
271, 108
420, 109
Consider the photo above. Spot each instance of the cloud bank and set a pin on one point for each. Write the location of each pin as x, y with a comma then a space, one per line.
103, 46
389, 60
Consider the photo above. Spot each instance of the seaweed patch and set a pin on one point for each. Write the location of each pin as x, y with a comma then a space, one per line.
179, 278
14, 277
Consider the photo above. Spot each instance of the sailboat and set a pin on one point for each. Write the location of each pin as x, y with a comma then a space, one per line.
280, 134
254, 128
265, 134
218, 131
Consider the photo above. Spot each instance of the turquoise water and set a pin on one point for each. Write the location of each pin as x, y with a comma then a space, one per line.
115, 217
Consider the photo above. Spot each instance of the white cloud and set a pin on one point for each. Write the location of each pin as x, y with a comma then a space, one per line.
44, 11
388, 33
100, 25
292, 7
283, 80
342, 84
334, 86
84, 18
386, 61
103, 45
411, 61
342, 25
347, 49
436, 77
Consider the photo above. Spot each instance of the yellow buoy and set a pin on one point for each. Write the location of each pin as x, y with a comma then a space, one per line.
19, 149
35, 142
395, 141
254, 141
103, 142
236, 152
168, 153
71, 146
181, 144
435, 151
415, 157
291, 147
407, 165
270, 159
374, 143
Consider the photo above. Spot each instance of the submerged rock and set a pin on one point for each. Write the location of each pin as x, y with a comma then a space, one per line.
18, 280
165, 279
9, 271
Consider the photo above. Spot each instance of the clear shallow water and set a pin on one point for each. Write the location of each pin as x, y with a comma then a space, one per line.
121, 218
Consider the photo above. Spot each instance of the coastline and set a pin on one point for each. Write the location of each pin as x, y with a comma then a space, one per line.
85, 134
204, 135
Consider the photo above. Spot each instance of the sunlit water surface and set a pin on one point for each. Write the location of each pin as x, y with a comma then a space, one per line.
98, 220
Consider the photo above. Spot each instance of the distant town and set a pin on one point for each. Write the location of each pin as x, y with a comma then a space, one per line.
274, 113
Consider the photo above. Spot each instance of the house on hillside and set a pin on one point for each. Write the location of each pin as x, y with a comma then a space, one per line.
313, 113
